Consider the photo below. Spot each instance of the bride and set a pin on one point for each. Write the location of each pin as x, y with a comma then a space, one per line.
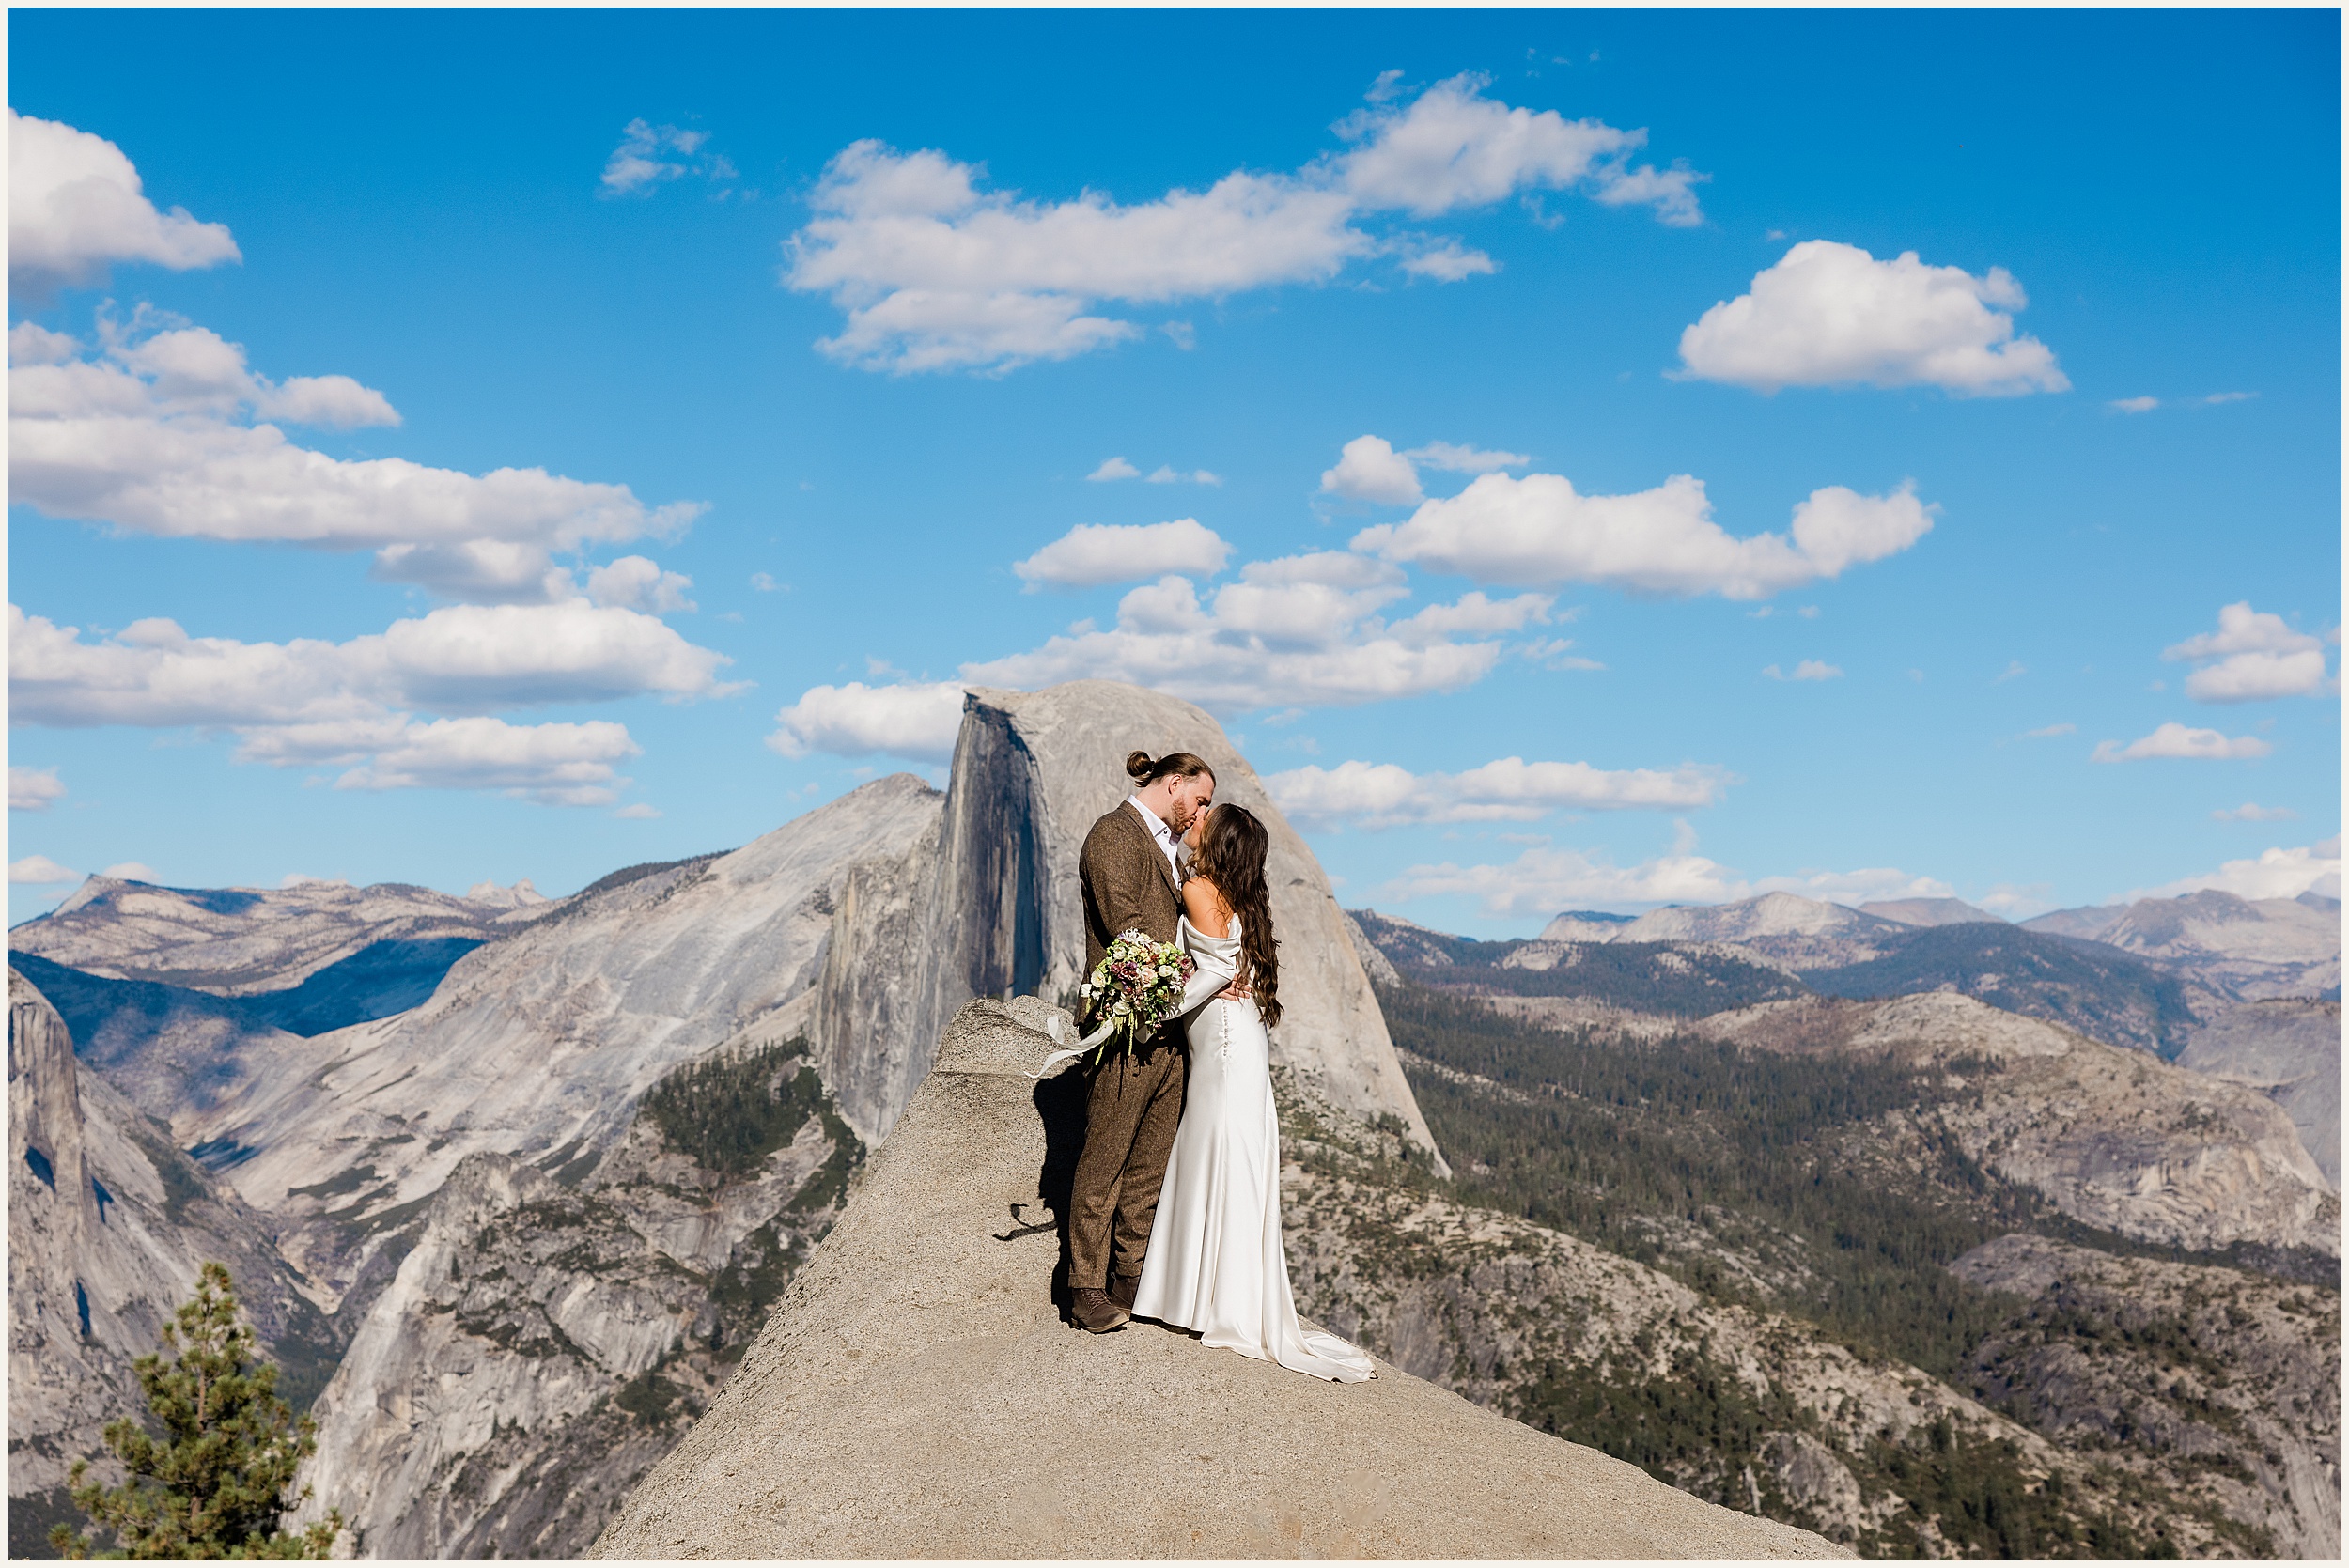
1215, 1262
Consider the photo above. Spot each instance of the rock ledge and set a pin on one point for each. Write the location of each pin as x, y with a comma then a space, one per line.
916, 1395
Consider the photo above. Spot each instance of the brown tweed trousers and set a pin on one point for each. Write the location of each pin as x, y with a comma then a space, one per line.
1134, 1101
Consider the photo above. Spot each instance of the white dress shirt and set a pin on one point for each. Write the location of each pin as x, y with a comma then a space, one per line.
1161, 832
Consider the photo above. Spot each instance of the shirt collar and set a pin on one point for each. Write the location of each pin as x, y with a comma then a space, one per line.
1157, 828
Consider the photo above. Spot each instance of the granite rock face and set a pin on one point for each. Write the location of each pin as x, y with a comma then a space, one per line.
2109, 1135
538, 1047
108, 1225
916, 1393
1032, 773
543, 1344
2289, 1050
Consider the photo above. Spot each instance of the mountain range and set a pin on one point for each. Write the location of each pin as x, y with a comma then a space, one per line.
511, 1185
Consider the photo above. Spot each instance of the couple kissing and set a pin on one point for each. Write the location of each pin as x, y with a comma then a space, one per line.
1175, 1211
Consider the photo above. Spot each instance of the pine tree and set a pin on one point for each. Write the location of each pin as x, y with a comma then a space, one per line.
217, 1483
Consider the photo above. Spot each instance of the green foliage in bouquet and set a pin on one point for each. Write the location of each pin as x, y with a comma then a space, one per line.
1138, 985
216, 1485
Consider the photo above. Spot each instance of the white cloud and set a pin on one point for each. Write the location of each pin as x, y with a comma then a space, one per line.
1091, 554
2049, 732
1369, 469
649, 155
1383, 795
2247, 678
916, 720
2135, 405
2252, 812
638, 812
556, 764
2277, 873
1454, 148
1543, 880
460, 658
130, 871
30, 343
40, 869
2242, 630
156, 434
763, 582
1114, 468
1538, 531
553, 764
1855, 886
1167, 474
1830, 313
1446, 261
633, 583
34, 788
1304, 631
1810, 669
76, 203
934, 272
1464, 459
2174, 739
2256, 657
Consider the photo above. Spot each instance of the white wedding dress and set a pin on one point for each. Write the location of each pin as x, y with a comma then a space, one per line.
1215, 1262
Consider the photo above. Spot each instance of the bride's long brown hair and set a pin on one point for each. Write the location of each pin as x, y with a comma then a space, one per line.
1231, 845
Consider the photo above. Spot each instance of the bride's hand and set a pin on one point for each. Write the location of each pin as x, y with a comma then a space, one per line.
1235, 991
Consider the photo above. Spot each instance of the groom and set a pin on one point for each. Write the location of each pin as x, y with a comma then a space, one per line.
1129, 872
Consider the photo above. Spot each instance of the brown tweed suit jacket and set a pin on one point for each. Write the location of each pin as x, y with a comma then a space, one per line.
1127, 884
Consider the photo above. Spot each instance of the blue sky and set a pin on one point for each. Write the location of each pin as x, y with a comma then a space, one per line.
749, 369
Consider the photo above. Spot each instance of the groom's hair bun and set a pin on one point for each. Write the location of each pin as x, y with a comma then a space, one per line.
1144, 768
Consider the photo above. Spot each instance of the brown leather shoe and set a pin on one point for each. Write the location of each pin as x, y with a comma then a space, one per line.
1094, 1313
1124, 1289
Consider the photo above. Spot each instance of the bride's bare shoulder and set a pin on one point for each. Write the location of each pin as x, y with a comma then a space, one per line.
1203, 902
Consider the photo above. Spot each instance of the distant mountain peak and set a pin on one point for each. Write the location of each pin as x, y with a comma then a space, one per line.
520, 896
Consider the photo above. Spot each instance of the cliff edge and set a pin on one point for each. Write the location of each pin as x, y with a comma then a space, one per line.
917, 1394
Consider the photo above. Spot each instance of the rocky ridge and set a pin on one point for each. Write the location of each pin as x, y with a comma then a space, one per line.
241, 941
917, 1381
2111, 1137
2250, 949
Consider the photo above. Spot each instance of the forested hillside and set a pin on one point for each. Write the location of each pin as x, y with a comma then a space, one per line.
1779, 1278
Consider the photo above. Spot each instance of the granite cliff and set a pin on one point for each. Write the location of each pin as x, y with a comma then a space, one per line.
108, 1224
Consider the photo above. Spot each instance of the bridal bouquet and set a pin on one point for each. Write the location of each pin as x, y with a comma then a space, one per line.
1141, 984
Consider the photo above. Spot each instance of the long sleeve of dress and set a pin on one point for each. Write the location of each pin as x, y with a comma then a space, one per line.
1217, 961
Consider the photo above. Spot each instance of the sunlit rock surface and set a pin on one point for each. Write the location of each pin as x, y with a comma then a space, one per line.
916, 1395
